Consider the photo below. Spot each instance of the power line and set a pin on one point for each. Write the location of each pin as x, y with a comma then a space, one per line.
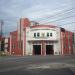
67, 23
55, 18
58, 14
59, 19
1, 27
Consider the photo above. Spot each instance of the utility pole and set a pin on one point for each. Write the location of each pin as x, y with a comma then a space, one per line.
1, 35
1, 27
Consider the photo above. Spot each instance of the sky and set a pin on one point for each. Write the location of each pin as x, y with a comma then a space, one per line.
56, 12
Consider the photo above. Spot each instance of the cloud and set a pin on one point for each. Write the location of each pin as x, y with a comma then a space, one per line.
12, 10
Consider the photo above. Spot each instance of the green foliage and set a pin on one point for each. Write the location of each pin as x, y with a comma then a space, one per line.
2, 45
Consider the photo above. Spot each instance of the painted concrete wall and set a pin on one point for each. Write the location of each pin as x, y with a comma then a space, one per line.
67, 42
55, 37
25, 34
16, 48
43, 34
58, 44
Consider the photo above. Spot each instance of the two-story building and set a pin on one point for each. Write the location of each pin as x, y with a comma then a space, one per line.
32, 38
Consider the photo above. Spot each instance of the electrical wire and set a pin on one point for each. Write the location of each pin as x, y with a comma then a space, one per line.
60, 13
59, 19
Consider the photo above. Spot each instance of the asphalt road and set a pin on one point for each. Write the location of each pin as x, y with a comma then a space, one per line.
37, 65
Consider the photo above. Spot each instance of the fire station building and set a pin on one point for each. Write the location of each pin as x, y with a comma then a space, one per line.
32, 38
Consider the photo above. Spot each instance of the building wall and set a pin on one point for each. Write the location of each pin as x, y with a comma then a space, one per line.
23, 39
23, 23
67, 42
54, 39
16, 46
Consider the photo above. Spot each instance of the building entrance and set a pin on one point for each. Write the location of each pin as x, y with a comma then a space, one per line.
49, 50
37, 49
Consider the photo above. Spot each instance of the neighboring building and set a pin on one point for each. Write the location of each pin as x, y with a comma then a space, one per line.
2, 44
32, 38
15, 44
5, 45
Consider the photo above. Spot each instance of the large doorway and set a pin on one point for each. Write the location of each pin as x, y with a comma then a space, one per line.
49, 50
37, 49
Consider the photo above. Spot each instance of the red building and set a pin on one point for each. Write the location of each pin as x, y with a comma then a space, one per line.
16, 45
67, 42
32, 38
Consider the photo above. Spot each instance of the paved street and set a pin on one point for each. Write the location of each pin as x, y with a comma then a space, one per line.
37, 65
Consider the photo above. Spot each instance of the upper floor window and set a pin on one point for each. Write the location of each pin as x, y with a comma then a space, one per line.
20, 44
38, 34
13, 46
47, 34
14, 37
50, 34
34, 34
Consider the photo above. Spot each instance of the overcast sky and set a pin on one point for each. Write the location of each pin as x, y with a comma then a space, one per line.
38, 10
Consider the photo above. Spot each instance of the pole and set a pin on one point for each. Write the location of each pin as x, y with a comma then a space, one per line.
1, 23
